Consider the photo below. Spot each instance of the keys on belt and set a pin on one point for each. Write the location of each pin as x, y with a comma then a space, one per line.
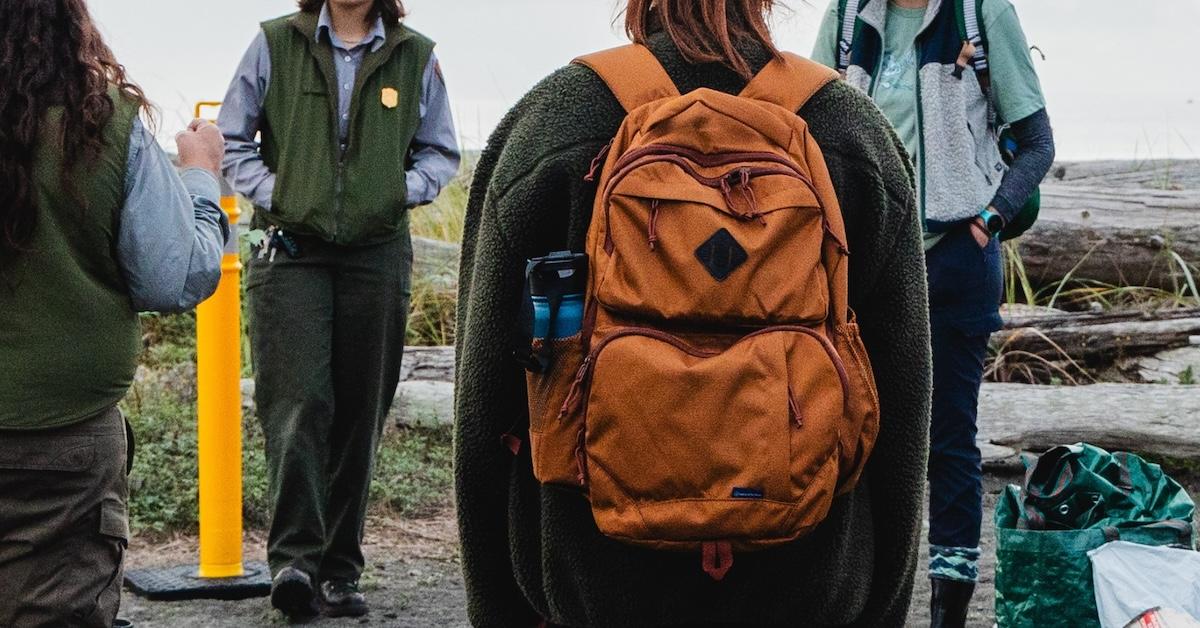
274, 240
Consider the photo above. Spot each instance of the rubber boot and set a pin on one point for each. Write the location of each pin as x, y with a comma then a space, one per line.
949, 603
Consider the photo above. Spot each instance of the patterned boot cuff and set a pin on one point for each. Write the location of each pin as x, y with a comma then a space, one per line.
954, 563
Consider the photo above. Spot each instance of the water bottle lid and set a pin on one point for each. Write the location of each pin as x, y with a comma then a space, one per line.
562, 272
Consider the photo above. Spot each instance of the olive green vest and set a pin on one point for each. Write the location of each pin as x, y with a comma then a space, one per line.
69, 337
356, 196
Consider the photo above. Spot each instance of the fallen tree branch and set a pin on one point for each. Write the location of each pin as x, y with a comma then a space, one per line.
1096, 340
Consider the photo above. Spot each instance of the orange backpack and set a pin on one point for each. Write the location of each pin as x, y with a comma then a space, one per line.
718, 396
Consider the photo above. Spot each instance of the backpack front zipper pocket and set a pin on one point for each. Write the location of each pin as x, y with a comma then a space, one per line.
694, 238
739, 436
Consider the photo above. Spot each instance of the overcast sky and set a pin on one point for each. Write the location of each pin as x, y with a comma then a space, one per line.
1120, 75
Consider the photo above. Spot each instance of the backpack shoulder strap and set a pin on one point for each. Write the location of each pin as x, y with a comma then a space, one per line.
633, 73
847, 22
789, 81
969, 14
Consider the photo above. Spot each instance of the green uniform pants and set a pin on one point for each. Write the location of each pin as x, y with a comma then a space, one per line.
327, 332
63, 524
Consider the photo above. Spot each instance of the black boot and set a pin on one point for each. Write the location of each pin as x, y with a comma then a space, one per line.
292, 593
949, 603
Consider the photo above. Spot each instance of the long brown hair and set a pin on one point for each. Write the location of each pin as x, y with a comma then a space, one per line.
50, 55
705, 31
392, 11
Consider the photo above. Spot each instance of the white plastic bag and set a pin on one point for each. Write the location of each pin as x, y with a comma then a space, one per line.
1131, 578
1164, 618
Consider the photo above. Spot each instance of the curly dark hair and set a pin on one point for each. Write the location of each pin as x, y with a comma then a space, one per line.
50, 55
392, 11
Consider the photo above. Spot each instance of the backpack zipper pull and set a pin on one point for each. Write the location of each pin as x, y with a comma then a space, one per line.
751, 198
598, 162
581, 458
795, 408
841, 246
571, 403
653, 228
727, 192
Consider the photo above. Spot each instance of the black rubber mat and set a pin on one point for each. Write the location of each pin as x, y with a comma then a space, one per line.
182, 583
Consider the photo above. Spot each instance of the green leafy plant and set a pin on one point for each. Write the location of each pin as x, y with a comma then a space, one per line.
1187, 377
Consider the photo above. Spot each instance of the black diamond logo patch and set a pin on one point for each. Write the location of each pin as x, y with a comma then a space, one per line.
721, 255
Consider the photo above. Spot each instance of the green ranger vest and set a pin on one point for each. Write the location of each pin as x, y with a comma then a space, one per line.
354, 196
69, 337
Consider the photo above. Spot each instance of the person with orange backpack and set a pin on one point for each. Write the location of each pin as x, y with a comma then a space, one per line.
954, 77
694, 364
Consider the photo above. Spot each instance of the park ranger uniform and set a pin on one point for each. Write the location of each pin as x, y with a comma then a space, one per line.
69, 341
352, 137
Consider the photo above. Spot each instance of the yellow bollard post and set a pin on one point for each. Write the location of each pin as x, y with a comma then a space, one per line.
221, 573
219, 410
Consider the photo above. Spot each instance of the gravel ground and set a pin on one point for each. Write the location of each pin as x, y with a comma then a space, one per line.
414, 579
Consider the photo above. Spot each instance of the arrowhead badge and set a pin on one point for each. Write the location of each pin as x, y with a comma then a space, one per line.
390, 98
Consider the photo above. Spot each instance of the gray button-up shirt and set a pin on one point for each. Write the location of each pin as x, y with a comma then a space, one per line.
172, 231
434, 152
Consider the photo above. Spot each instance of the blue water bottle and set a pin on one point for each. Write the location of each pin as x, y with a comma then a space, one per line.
557, 284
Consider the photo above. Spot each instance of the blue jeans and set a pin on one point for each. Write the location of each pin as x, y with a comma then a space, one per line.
965, 287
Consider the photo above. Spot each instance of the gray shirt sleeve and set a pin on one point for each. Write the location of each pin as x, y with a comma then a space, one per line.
172, 231
434, 154
240, 120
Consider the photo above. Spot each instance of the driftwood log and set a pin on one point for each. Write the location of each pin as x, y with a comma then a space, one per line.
1116, 223
1097, 340
425, 396
1163, 421
1177, 366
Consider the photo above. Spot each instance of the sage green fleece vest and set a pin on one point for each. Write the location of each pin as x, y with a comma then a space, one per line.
357, 196
69, 336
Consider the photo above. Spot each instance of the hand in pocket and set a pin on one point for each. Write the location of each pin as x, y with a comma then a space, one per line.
980, 233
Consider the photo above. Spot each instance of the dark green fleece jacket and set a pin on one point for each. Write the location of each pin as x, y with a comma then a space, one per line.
531, 551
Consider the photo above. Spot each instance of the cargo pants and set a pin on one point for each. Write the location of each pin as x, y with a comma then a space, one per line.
63, 524
327, 334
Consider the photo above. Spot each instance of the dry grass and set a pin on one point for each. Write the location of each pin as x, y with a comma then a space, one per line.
1074, 293
443, 220
431, 315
